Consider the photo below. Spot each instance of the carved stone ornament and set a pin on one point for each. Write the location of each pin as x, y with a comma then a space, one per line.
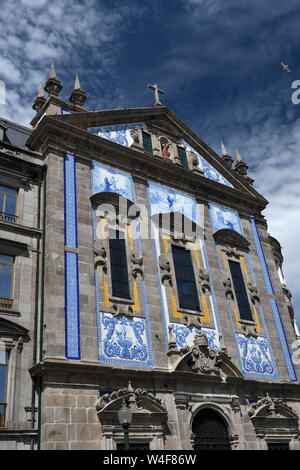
203, 359
204, 280
249, 330
137, 265
231, 251
228, 288
122, 310
172, 345
253, 292
100, 256
165, 274
192, 321
268, 407
138, 400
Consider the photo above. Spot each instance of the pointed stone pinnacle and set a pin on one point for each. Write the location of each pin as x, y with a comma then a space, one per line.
77, 83
238, 157
52, 71
224, 151
41, 91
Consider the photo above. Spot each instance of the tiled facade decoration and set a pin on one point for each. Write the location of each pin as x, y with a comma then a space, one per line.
273, 303
120, 134
209, 171
71, 261
222, 217
120, 340
256, 357
163, 200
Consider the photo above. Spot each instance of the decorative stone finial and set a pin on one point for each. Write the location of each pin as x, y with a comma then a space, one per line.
40, 99
78, 96
240, 166
227, 158
53, 86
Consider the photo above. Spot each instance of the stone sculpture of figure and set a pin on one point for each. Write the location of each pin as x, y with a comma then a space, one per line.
165, 151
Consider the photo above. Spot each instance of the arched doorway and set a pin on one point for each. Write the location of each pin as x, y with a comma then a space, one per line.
210, 431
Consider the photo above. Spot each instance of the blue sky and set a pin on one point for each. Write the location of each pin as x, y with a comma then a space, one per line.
217, 61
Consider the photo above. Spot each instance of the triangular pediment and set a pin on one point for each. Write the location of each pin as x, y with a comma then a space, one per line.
118, 127
10, 328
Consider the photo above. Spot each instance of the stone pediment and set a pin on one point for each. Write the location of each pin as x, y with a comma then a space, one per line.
10, 328
202, 360
162, 121
271, 408
138, 400
231, 237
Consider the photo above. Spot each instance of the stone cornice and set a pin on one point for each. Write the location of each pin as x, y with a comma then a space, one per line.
62, 366
70, 139
20, 229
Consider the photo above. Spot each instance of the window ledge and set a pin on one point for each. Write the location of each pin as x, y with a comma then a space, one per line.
121, 300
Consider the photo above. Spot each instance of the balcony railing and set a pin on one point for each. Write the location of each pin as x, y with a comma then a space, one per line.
6, 303
10, 218
2, 414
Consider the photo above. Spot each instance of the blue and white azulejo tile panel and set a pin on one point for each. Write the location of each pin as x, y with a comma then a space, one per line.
120, 133
107, 179
164, 199
123, 341
256, 357
72, 306
222, 217
185, 336
209, 171
70, 201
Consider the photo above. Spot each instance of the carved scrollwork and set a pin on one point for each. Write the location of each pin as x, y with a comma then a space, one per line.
249, 330
100, 256
204, 280
203, 359
253, 292
122, 310
228, 288
165, 270
137, 265
192, 321
231, 251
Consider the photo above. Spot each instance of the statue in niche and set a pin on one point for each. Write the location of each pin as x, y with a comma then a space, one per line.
165, 150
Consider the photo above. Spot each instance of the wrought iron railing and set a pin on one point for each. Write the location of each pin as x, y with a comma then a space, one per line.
10, 218
2, 414
6, 303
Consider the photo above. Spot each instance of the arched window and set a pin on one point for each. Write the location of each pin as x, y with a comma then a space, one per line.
210, 432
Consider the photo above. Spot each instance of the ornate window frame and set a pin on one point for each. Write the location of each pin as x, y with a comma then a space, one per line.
122, 222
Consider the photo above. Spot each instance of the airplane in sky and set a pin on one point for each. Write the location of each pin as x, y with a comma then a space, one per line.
285, 67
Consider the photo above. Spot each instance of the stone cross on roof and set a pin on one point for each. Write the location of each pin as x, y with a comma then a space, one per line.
156, 90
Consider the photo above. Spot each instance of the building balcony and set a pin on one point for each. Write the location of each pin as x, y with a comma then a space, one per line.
9, 218
2, 414
6, 303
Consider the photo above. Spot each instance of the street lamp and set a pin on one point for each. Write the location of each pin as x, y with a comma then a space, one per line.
125, 418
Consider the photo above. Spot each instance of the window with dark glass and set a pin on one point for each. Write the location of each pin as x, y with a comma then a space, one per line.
3, 384
118, 264
182, 156
240, 291
185, 279
278, 446
8, 204
6, 276
147, 142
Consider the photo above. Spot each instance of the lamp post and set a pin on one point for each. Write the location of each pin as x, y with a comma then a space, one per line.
125, 418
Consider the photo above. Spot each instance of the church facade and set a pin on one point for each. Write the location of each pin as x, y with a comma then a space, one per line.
137, 268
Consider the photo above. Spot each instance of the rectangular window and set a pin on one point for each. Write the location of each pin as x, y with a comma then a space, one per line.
185, 279
8, 204
118, 264
3, 385
147, 142
278, 446
182, 156
240, 291
6, 279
